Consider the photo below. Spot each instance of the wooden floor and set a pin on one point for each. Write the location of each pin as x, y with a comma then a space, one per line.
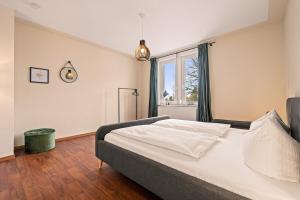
70, 171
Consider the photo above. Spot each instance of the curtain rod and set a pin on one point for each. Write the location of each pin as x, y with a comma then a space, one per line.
183, 50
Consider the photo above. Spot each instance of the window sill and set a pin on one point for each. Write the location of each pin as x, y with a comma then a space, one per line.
178, 105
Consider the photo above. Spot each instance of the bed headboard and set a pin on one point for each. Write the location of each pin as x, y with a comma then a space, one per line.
293, 115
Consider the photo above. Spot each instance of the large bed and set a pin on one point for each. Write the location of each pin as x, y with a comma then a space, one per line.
219, 173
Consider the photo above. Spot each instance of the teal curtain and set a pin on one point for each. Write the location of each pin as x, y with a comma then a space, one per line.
204, 102
152, 111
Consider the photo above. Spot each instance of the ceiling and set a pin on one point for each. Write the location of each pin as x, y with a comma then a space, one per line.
168, 24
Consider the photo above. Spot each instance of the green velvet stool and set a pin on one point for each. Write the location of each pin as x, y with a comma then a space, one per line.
39, 140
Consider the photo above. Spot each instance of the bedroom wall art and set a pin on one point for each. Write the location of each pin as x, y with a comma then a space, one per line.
68, 73
38, 75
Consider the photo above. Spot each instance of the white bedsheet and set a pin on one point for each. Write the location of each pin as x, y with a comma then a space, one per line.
222, 166
194, 126
186, 142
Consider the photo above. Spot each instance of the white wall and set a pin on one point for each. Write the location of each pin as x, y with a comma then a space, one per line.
6, 81
292, 47
75, 108
246, 73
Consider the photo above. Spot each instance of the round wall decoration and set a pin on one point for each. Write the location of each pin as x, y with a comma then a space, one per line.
68, 73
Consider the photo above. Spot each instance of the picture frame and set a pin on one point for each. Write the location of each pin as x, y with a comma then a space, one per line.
38, 75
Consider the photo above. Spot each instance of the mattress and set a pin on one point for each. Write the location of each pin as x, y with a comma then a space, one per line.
222, 165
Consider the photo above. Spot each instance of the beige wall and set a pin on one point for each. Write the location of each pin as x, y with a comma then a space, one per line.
144, 79
6, 81
292, 47
69, 108
247, 74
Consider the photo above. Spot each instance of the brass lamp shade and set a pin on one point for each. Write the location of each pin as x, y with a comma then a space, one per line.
142, 53
69, 74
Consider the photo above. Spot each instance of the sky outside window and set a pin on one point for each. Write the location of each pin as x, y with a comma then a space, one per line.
170, 74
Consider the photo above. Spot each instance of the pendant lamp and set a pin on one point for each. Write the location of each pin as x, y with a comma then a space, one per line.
142, 53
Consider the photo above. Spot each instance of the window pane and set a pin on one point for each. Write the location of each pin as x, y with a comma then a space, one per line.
190, 79
169, 81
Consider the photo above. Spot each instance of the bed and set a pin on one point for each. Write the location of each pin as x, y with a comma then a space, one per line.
176, 176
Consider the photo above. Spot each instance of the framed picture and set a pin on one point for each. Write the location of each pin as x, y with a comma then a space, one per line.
39, 75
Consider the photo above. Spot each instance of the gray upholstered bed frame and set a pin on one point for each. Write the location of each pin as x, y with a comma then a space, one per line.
293, 115
164, 181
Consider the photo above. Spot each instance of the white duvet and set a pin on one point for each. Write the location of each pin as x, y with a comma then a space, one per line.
199, 127
190, 143
222, 165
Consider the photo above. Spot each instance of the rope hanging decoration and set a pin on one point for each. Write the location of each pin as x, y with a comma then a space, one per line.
68, 73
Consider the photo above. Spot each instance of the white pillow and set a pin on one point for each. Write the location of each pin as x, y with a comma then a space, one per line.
270, 151
270, 115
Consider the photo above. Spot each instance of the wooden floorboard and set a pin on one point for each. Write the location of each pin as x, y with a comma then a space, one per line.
70, 171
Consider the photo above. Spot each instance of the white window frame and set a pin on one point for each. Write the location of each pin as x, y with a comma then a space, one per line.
161, 78
179, 97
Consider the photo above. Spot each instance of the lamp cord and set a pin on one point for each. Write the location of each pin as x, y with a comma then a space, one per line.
142, 29
142, 23
69, 62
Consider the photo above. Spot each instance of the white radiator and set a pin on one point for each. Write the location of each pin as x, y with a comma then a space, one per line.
178, 112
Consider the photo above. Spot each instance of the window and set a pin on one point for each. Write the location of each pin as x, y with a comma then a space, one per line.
190, 79
167, 73
178, 79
